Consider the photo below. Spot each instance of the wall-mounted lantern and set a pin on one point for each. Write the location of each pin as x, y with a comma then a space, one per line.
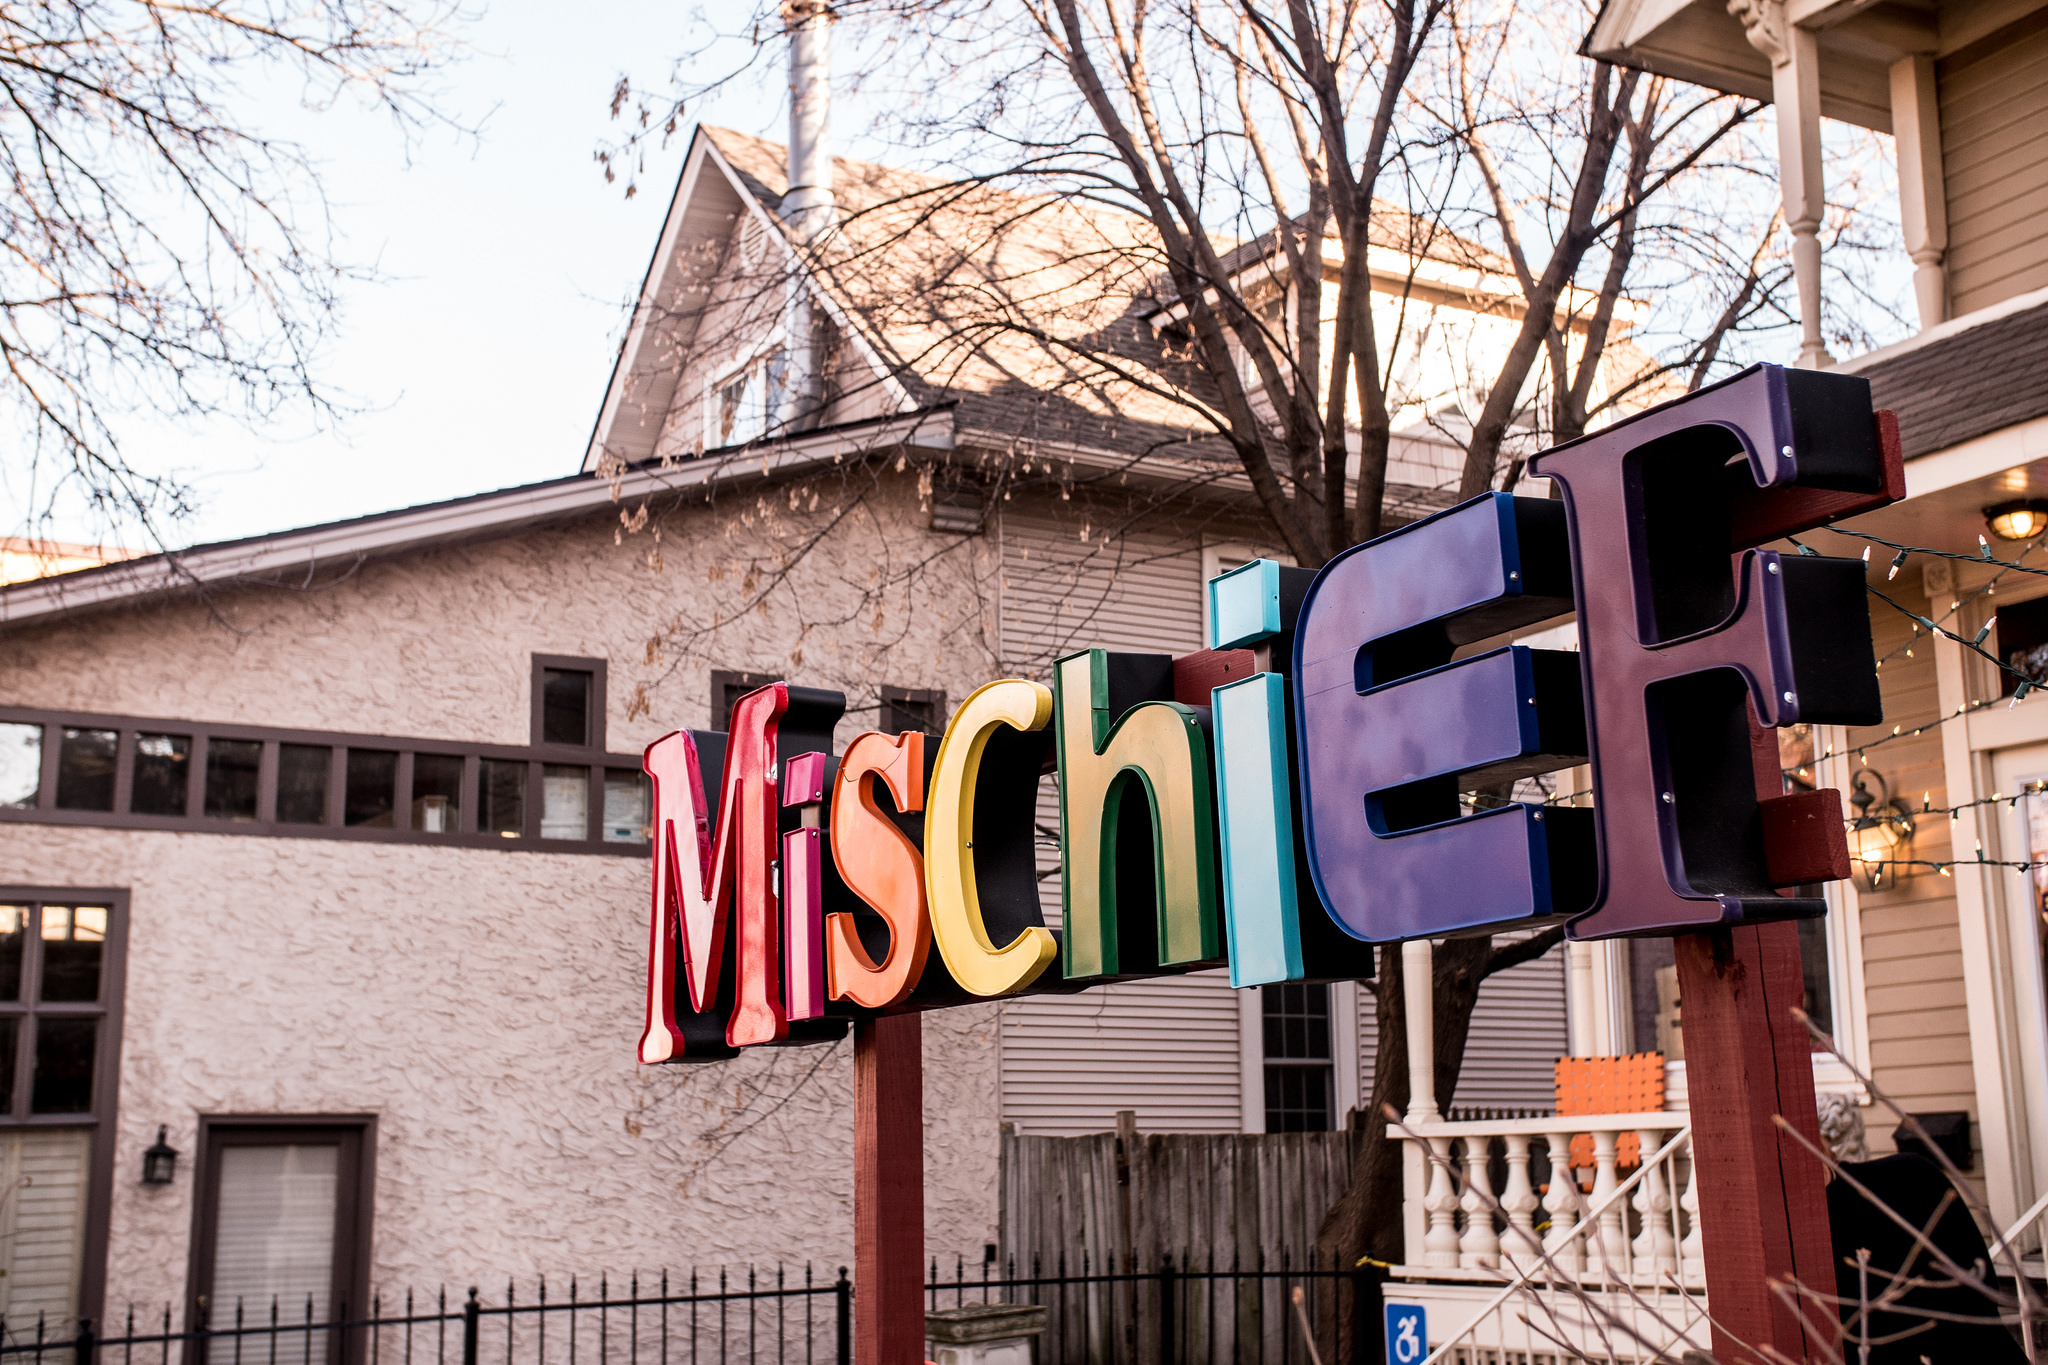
159, 1160
1881, 831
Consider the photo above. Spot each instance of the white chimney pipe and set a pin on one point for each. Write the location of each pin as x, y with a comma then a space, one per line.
808, 205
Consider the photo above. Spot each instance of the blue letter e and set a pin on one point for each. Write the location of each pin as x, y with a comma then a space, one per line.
1390, 731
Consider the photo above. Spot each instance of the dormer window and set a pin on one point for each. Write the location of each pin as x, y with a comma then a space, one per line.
744, 400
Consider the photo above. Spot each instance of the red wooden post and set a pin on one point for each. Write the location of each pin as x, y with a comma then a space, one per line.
888, 1190
1763, 1201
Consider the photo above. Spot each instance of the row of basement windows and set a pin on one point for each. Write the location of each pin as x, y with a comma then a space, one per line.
161, 785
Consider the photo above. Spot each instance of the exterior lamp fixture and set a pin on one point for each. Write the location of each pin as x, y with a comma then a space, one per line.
159, 1160
1880, 828
2022, 519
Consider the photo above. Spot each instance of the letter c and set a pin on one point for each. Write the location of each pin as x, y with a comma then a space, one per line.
979, 966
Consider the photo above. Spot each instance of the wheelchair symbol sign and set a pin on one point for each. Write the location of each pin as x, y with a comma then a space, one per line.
1407, 1334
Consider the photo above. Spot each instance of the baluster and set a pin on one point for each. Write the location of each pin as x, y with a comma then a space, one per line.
1480, 1246
1440, 1243
1611, 1239
1691, 1251
1655, 1250
1519, 1199
1563, 1204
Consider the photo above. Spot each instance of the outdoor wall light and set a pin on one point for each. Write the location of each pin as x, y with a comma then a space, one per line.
1880, 831
159, 1160
2022, 519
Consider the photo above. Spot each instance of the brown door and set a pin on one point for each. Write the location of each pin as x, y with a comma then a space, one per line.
280, 1244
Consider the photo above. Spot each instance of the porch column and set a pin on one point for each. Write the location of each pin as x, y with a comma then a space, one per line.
1923, 196
1417, 992
1795, 89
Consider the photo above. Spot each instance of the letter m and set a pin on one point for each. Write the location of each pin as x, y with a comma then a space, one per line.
708, 992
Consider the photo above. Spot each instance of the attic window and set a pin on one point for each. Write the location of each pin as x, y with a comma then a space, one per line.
743, 403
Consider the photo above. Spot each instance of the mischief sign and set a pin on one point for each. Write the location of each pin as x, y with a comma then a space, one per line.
1290, 797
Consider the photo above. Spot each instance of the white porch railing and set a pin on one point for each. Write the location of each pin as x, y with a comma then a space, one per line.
1616, 1272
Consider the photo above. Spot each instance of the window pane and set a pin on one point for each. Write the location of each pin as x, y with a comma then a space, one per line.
10, 1038
437, 793
302, 783
231, 778
372, 782
1297, 1020
564, 707
565, 802
163, 769
274, 1218
501, 798
1653, 997
73, 940
626, 816
85, 770
21, 764
1297, 1099
63, 1075
13, 939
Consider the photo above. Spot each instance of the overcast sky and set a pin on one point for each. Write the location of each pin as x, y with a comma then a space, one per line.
485, 350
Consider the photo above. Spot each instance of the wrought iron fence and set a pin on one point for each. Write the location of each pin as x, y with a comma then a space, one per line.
655, 1321
1167, 1310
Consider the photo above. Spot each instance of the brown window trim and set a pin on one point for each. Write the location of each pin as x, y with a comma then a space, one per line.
44, 812
572, 664
934, 697
106, 1082
721, 679
356, 1192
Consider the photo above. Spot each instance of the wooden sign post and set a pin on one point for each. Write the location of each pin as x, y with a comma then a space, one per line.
888, 1190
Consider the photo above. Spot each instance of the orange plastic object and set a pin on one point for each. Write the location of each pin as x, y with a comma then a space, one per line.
883, 867
1610, 1085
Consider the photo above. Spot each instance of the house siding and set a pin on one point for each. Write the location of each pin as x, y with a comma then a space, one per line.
1912, 951
1994, 146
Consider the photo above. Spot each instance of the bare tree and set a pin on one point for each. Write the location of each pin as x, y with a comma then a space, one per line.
1275, 196
164, 254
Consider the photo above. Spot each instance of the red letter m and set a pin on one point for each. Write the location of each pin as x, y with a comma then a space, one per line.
696, 876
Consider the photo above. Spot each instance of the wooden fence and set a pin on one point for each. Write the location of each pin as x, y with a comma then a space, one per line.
1235, 1215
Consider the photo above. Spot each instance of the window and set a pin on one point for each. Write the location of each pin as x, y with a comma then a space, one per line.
138, 773
163, 774
21, 765
727, 688
85, 769
568, 701
281, 1223
907, 710
302, 775
501, 798
565, 802
231, 766
1299, 1072
565, 707
627, 817
743, 403
371, 795
60, 992
2022, 635
437, 793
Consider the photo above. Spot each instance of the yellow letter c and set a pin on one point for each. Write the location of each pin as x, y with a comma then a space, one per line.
955, 902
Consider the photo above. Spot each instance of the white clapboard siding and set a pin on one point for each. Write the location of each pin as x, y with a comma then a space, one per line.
1166, 1048
1519, 1031
1169, 1048
42, 1228
1994, 159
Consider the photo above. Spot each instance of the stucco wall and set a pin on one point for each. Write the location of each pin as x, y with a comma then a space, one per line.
484, 1004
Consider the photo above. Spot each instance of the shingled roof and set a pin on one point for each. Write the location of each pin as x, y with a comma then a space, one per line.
1964, 381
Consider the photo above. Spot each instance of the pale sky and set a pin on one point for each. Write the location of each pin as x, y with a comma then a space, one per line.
485, 351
